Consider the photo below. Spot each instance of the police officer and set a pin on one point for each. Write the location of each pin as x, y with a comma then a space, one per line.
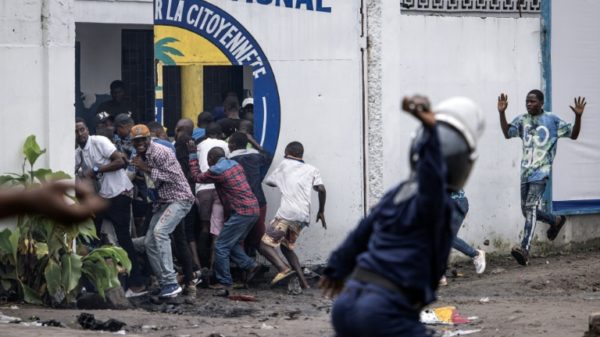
391, 263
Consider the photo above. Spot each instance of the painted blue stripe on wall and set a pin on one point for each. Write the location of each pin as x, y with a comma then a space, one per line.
590, 206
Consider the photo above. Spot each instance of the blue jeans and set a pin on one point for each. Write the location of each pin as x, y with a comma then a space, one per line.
458, 216
158, 243
367, 310
228, 244
531, 197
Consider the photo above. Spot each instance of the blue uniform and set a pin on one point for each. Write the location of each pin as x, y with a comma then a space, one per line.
406, 240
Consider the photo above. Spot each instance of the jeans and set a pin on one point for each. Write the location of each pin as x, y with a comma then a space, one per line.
531, 196
119, 213
157, 241
228, 244
458, 216
367, 310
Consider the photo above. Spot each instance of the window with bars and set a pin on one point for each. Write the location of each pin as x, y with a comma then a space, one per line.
137, 70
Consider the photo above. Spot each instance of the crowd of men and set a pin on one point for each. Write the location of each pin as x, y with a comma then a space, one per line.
204, 192
196, 198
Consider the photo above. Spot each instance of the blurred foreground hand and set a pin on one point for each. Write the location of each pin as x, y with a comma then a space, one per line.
51, 200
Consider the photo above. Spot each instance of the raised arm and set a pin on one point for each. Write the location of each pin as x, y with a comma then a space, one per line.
580, 104
502, 105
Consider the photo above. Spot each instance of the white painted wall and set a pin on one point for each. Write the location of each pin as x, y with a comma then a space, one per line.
100, 53
469, 56
37, 66
114, 11
575, 72
316, 61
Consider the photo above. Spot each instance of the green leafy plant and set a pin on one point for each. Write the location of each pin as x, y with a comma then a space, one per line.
38, 259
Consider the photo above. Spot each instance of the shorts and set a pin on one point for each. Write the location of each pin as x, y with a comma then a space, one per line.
205, 200
283, 232
217, 218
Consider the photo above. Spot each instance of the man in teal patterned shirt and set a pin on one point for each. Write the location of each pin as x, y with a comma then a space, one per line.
539, 131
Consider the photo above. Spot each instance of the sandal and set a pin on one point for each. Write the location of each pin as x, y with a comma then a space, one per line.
282, 276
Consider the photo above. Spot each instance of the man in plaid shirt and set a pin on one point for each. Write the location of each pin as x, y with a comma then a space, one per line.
175, 199
240, 206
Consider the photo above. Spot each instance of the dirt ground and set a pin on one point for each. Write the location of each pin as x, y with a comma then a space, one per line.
552, 297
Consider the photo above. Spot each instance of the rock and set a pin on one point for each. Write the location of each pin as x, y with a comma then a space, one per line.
9, 319
294, 286
92, 301
52, 322
291, 315
498, 270
115, 299
89, 322
594, 325
265, 326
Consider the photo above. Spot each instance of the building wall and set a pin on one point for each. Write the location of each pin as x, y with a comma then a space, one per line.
478, 57
114, 11
437, 56
444, 56
320, 88
98, 31
37, 66
100, 58
575, 177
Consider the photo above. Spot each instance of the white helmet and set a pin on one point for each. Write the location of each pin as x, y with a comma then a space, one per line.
464, 115
460, 125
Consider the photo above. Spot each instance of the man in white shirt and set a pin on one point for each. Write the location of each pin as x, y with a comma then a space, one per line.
295, 179
96, 157
206, 195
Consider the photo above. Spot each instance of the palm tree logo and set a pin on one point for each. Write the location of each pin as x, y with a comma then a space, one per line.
163, 52
163, 56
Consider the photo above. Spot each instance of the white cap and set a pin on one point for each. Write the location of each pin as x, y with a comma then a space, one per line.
247, 101
463, 114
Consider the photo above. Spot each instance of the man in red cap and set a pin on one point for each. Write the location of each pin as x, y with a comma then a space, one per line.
174, 200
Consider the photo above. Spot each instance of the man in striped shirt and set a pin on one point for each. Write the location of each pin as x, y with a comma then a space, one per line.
174, 201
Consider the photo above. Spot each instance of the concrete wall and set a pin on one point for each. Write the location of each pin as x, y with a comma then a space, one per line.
316, 60
322, 111
37, 66
469, 56
443, 56
575, 171
37, 39
114, 11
